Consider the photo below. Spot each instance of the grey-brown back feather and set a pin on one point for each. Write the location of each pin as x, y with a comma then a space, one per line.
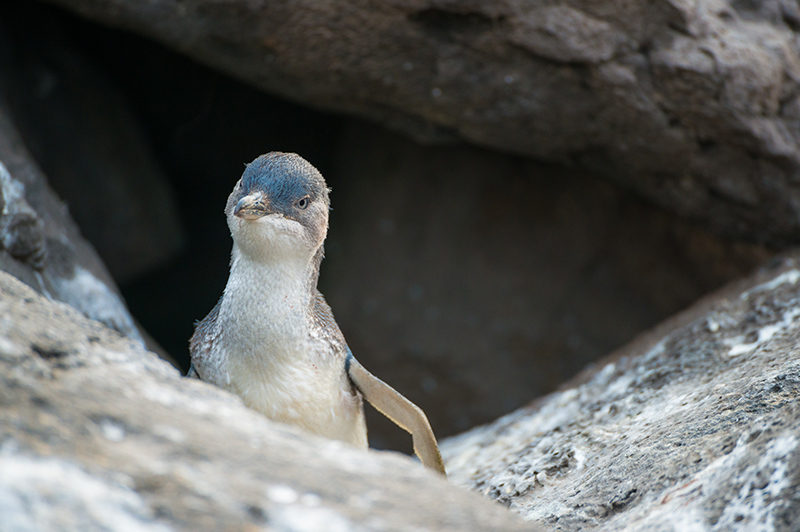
205, 334
323, 320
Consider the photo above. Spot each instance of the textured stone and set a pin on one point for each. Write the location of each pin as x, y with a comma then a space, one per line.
42, 245
693, 104
98, 434
695, 426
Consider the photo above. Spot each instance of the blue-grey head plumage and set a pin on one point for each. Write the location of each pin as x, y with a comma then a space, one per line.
285, 179
274, 190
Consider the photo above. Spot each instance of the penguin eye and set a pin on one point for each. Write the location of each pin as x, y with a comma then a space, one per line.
303, 203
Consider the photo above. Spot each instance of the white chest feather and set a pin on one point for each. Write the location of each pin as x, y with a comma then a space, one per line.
274, 361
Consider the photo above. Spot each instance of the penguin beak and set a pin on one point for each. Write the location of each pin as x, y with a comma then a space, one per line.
252, 207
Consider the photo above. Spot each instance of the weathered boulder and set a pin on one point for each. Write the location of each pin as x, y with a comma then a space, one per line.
98, 434
43, 247
695, 426
693, 104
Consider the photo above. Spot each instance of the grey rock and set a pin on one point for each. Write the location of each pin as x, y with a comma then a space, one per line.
695, 426
22, 231
41, 244
98, 434
693, 104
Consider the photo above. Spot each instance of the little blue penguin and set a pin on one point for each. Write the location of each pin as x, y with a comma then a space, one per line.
272, 339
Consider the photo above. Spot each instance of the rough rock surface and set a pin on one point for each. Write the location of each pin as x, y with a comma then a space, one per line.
42, 246
98, 434
694, 104
693, 427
